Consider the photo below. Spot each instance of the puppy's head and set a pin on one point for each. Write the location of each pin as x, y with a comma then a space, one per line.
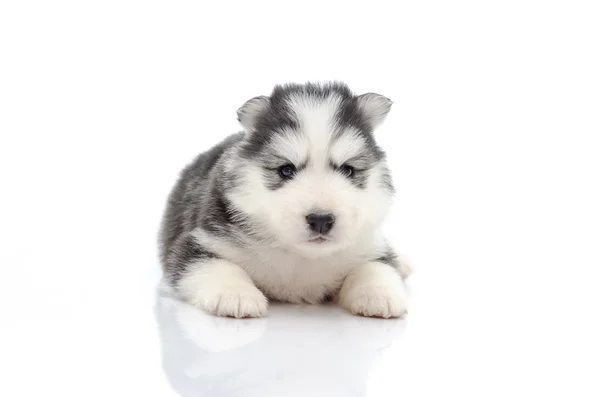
311, 172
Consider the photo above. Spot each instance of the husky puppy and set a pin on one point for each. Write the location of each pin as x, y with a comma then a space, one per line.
288, 210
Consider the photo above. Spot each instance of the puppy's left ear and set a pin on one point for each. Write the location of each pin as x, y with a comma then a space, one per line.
374, 107
251, 110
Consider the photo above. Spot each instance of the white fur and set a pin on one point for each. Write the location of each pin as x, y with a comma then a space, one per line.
224, 289
317, 122
374, 290
294, 147
286, 275
346, 147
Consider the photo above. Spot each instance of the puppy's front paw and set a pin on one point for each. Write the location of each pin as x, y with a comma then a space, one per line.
373, 301
239, 302
374, 290
223, 289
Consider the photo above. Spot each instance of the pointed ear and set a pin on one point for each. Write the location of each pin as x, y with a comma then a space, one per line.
375, 107
250, 111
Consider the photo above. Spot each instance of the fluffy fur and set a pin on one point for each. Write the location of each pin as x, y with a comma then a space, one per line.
235, 232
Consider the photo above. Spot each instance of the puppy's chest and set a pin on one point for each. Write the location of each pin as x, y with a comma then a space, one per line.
288, 277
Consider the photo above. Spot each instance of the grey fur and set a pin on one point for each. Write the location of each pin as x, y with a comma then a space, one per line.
278, 117
184, 251
389, 257
199, 201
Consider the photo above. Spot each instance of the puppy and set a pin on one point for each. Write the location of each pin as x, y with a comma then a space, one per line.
288, 210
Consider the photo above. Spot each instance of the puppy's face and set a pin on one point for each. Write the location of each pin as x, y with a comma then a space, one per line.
313, 174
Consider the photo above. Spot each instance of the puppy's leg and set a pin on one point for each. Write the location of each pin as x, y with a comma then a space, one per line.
222, 288
211, 283
374, 290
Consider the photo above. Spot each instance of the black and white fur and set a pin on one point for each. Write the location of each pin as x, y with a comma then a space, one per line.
236, 233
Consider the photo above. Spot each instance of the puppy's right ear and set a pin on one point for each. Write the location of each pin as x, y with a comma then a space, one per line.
251, 110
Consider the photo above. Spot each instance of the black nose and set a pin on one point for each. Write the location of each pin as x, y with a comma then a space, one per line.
320, 223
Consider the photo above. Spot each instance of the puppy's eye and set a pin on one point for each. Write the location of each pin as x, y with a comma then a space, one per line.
347, 170
287, 171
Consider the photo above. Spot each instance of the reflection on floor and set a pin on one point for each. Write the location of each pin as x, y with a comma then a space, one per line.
295, 351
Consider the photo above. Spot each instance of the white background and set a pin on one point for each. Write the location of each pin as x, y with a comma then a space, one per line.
494, 144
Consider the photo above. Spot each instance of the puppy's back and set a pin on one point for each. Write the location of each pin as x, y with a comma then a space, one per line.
191, 195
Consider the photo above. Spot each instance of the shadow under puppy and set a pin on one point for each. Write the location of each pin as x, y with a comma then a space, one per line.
288, 210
